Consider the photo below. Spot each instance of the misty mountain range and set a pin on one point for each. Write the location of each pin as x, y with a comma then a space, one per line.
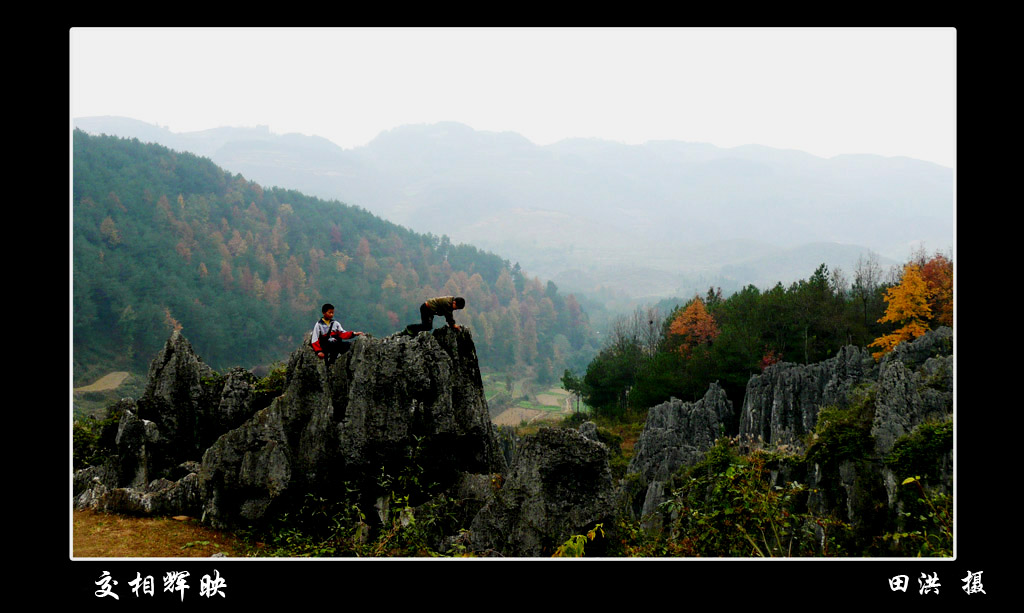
662, 219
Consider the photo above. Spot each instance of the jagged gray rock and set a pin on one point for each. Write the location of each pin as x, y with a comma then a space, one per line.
132, 440
679, 433
908, 387
116, 470
135, 438
233, 407
173, 399
88, 483
383, 404
589, 430
508, 441
159, 497
676, 434
416, 403
559, 485
386, 403
159, 438
914, 353
912, 385
915, 385
781, 405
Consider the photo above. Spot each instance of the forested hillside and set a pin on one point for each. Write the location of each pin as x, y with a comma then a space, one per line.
165, 240
649, 358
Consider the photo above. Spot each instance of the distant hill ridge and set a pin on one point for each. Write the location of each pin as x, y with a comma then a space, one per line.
603, 207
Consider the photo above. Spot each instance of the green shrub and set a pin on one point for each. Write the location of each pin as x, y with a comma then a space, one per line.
730, 506
926, 526
85, 438
734, 512
93, 439
925, 512
318, 528
575, 545
921, 452
270, 387
842, 434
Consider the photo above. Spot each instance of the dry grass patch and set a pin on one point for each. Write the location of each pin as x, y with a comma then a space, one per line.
516, 415
109, 381
105, 535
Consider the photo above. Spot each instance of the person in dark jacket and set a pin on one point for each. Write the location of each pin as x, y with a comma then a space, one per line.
328, 336
444, 306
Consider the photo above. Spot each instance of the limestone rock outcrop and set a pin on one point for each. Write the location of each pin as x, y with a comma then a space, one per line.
196, 438
343, 426
679, 433
175, 402
915, 385
781, 405
384, 407
676, 434
910, 386
156, 441
559, 485
221, 447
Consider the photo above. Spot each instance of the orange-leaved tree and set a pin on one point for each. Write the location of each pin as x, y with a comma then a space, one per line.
938, 274
693, 326
908, 305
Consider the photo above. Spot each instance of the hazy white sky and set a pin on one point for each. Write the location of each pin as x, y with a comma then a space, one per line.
887, 91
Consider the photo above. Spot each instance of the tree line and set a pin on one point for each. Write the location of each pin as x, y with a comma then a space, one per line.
655, 354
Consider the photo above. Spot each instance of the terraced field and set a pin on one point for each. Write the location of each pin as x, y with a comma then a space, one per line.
522, 403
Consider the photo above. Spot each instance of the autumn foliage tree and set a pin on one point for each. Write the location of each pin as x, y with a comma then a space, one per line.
938, 274
908, 307
110, 233
693, 326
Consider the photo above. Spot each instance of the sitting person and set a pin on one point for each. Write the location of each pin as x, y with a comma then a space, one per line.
328, 336
444, 306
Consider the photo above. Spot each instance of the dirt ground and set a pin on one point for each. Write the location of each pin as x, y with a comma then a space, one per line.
103, 535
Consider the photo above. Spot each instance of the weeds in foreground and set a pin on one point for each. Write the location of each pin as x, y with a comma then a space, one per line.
930, 525
574, 546
730, 506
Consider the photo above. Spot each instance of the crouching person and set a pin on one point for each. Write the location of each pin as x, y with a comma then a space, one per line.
444, 306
